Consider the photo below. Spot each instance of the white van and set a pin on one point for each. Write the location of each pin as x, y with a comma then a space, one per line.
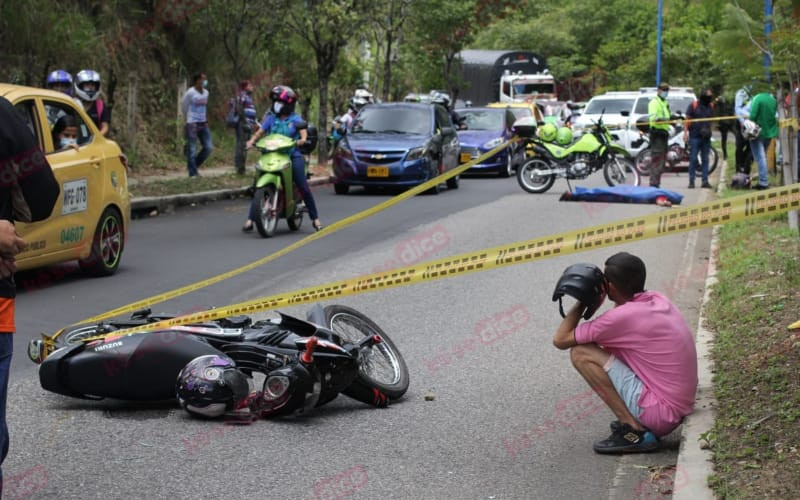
621, 109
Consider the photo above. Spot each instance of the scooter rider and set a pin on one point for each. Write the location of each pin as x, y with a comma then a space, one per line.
281, 119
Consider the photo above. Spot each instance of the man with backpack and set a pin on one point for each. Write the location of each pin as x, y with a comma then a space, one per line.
697, 133
242, 117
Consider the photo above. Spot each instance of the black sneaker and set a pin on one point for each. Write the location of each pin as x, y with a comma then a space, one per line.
760, 186
626, 439
706, 185
691, 185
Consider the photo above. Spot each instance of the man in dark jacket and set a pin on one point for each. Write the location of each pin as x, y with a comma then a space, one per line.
28, 192
697, 134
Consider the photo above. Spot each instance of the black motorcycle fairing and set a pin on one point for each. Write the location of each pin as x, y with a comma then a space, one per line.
140, 366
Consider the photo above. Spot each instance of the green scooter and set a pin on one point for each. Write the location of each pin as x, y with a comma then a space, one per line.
273, 189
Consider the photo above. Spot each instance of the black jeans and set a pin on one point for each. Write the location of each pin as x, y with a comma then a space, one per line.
744, 157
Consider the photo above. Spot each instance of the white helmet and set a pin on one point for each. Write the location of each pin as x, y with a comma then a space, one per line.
364, 94
750, 130
87, 76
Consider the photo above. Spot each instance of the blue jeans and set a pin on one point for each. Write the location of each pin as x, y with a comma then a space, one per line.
703, 146
195, 132
759, 149
6, 350
299, 178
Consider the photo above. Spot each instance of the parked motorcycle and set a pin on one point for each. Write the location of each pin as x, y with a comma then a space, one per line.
273, 189
593, 151
677, 152
298, 364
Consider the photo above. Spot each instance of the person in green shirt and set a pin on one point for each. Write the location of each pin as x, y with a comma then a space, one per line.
763, 109
658, 113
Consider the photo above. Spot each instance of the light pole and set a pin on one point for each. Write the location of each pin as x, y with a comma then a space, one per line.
658, 43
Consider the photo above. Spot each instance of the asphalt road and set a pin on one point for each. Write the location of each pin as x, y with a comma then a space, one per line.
509, 419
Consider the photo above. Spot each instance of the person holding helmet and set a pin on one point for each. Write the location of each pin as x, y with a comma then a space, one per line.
281, 119
639, 357
60, 81
87, 89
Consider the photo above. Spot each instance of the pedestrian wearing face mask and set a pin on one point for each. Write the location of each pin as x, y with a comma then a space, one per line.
193, 106
659, 114
697, 133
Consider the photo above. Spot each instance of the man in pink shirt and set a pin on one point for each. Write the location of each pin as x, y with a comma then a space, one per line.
639, 357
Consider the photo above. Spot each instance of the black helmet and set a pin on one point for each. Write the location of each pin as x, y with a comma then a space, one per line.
210, 385
583, 282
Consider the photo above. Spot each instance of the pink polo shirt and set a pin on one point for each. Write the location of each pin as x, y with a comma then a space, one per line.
650, 335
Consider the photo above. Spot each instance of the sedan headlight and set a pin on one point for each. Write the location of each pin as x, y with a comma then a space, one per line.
416, 154
345, 150
493, 143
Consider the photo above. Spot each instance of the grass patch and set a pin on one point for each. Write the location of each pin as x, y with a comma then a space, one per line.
182, 185
756, 435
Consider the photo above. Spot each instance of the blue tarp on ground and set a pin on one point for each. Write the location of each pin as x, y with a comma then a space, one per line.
621, 194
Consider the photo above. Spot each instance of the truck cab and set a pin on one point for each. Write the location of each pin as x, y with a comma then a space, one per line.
520, 87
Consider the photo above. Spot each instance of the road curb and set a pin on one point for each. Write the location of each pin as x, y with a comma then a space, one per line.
695, 464
164, 204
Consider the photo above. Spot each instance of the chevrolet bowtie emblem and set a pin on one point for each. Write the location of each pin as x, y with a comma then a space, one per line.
378, 156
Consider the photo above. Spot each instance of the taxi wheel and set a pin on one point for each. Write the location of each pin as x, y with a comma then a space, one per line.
107, 244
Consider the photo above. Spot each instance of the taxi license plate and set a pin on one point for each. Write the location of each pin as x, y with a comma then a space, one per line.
377, 171
465, 157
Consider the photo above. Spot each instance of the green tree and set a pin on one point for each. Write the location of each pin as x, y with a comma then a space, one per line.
327, 26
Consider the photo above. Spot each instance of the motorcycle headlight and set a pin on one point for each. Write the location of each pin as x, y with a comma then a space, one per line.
415, 154
493, 143
275, 387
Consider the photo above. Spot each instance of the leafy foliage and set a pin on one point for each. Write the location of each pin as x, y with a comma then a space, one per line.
145, 49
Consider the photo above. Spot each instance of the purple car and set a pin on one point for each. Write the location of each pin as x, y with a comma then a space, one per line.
486, 129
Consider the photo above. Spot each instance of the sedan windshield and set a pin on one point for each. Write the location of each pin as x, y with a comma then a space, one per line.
395, 120
483, 119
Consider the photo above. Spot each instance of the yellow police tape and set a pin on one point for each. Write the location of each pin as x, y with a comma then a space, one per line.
746, 206
328, 230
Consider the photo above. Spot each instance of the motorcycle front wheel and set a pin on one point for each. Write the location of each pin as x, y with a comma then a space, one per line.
267, 213
533, 182
382, 367
620, 171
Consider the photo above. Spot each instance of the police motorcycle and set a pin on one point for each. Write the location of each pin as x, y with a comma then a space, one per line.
557, 156
234, 367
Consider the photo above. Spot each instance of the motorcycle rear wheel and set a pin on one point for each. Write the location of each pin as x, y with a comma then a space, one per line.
382, 367
530, 181
621, 171
266, 218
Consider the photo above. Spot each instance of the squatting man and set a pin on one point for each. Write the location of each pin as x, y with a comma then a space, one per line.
639, 357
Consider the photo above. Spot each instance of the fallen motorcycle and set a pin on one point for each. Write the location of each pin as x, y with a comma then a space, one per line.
214, 367
593, 151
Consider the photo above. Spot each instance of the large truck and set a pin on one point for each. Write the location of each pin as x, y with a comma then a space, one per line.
504, 76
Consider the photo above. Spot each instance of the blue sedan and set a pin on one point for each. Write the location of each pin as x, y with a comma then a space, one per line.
396, 144
486, 129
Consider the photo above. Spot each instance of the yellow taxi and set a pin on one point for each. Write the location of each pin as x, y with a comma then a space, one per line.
93, 210
522, 110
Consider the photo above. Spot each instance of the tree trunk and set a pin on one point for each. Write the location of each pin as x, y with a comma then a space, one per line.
387, 67
322, 120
